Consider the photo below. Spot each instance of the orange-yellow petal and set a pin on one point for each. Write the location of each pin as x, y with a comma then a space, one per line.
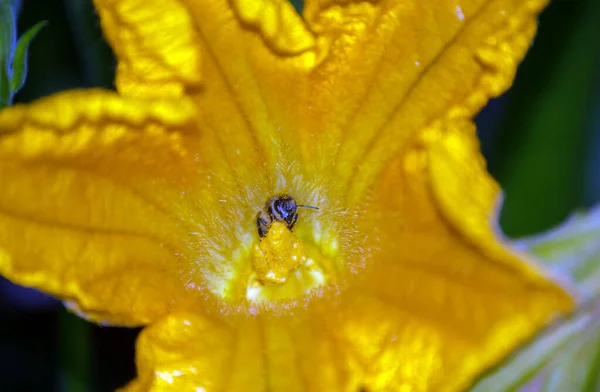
437, 301
160, 45
394, 68
183, 352
356, 78
195, 352
439, 287
277, 22
155, 43
89, 180
251, 55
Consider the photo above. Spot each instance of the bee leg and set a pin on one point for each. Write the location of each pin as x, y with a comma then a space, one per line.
292, 221
262, 225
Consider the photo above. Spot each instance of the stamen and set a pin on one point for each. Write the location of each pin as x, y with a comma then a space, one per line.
276, 255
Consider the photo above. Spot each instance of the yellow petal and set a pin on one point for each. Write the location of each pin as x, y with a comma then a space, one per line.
437, 301
278, 23
194, 352
184, 352
395, 67
86, 209
252, 52
356, 79
159, 45
438, 286
155, 43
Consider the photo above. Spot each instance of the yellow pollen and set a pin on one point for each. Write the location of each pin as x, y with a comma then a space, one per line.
277, 255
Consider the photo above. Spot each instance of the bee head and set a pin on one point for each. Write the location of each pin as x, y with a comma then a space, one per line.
283, 208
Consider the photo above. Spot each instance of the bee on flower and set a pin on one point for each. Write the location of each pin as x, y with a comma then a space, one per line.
172, 202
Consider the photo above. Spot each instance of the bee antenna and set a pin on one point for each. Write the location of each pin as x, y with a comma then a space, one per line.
305, 206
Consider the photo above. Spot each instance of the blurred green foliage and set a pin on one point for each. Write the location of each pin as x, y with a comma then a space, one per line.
543, 150
71, 53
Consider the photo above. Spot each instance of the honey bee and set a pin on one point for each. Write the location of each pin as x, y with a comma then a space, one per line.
282, 208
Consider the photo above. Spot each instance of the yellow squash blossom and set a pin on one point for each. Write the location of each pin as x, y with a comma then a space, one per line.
140, 206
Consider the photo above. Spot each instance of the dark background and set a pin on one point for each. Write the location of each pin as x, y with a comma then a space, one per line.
541, 140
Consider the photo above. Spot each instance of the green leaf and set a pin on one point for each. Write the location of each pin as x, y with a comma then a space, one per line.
566, 357
7, 44
75, 353
7, 32
4, 87
19, 65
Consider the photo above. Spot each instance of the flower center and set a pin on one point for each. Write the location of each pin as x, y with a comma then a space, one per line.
271, 252
284, 266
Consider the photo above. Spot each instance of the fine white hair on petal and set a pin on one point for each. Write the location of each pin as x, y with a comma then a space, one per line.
221, 216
